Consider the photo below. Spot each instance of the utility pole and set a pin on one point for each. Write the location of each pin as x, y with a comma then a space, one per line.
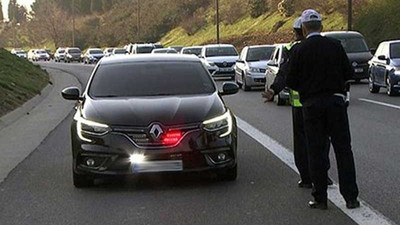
73, 23
217, 8
138, 20
350, 15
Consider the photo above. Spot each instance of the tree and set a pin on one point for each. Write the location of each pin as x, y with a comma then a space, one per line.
1, 13
49, 20
95, 6
257, 7
12, 8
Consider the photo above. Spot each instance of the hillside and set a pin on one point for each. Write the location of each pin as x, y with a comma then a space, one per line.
20, 80
266, 29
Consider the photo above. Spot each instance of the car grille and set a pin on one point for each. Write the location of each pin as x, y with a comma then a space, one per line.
142, 138
263, 70
225, 65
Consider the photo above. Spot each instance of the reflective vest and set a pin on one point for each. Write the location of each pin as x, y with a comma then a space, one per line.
294, 96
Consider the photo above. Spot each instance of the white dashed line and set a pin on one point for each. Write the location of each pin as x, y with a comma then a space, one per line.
379, 103
365, 215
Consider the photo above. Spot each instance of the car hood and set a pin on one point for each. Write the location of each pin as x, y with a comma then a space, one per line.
141, 112
97, 55
359, 57
222, 59
258, 64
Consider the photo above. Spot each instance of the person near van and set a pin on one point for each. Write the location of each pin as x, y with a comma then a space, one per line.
299, 138
318, 70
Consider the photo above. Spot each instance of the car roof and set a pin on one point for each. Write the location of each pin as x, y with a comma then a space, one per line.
145, 45
390, 42
150, 58
192, 47
95, 49
258, 46
218, 45
340, 34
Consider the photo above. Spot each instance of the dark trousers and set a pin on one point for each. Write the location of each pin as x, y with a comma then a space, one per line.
300, 145
327, 116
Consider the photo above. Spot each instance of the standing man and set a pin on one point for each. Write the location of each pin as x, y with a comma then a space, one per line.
299, 137
318, 70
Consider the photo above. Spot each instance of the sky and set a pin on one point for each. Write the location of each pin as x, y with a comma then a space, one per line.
25, 3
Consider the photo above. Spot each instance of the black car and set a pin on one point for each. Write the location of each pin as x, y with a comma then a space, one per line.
149, 114
357, 50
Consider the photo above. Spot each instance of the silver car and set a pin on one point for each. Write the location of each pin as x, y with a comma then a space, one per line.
251, 66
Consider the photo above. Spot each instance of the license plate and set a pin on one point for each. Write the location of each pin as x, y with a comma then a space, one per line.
359, 70
225, 69
157, 166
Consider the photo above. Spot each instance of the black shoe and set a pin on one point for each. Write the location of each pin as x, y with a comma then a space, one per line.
353, 204
330, 182
302, 184
318, 205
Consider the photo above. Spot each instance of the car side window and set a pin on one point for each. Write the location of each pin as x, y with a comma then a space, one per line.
278, 52
243, 54
385, 51
379, 50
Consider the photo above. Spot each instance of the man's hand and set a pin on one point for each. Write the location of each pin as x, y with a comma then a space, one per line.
268, 95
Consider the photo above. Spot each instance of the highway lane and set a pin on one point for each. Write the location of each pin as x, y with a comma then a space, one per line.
265, 190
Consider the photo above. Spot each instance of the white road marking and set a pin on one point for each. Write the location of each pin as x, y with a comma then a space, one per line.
365, 215
379, 103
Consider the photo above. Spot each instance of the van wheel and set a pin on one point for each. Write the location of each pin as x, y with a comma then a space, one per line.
280, 101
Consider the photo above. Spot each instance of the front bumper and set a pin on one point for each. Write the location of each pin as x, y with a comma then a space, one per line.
72, 59
222, 72
361, 72
395, 81
197, 151
255, 79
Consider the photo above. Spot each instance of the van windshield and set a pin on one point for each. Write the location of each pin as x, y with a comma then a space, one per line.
354, 45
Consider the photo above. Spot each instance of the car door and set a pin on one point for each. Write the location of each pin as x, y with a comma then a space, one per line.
380, 69
273, 67
240, 65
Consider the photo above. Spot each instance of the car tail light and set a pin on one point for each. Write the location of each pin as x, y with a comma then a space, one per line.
172, 137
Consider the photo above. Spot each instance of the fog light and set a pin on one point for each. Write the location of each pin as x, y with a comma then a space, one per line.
221, 157
136, 158
90, 162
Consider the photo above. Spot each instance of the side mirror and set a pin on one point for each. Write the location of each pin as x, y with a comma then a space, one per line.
71, 93
373, 51
382, 57
229, 88
272, 63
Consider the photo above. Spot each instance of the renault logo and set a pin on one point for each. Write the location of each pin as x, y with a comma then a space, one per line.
156, 131
225, 64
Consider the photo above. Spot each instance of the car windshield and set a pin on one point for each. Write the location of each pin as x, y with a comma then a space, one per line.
41, 52
151, 79
20, 52
220, 51
109, 50
119, 51
61, 51
354, 45
395, 50
144, 49
95, 52
74, 51
259, 53
160, 51
194, 51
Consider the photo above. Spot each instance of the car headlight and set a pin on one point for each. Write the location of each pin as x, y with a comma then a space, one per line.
397, 72
219, 123
89, 127
210, 64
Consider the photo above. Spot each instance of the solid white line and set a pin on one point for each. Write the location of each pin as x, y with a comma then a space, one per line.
379, 103
365, 215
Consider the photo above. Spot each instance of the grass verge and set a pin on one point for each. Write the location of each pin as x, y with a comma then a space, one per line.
20, 80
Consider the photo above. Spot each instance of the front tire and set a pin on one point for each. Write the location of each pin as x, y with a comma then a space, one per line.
280, 101
245, 87
390, 90
229, 174
373, 88
82, 181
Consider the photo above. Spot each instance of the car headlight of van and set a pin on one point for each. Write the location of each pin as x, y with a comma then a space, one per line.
397, 72
219, 123
89, 127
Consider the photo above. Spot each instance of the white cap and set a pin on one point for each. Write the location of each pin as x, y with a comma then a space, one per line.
297, 23
310, 15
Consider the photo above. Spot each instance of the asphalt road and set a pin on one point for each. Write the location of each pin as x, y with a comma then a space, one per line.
40, 190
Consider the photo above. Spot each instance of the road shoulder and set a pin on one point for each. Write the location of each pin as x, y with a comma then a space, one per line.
25, 128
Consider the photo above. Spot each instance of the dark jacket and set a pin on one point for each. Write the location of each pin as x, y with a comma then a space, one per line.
280, 80
319, 67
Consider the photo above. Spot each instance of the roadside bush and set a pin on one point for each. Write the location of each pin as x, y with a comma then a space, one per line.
232, 10
258, 7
